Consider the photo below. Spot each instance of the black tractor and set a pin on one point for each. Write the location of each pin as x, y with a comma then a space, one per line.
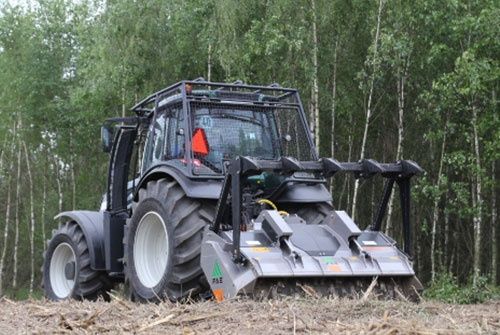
217, 189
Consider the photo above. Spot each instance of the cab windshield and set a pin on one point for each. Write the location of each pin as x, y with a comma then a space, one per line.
221, 132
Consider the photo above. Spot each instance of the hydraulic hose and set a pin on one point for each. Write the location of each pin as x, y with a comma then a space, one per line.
273, 206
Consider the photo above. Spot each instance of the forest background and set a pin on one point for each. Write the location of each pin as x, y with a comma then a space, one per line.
383, 79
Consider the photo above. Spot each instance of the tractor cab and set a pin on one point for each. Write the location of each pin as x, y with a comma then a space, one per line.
193, 129
196, 126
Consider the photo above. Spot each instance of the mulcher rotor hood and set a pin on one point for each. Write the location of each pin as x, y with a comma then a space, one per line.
288, 248
279, 252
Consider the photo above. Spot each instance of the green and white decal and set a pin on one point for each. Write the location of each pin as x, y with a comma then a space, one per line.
217, 274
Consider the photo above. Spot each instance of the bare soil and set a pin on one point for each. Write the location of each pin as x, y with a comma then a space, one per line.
284, 316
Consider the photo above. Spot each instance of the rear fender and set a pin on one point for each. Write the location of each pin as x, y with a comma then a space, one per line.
91, 224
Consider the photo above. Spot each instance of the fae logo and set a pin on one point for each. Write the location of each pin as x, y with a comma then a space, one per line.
216, 274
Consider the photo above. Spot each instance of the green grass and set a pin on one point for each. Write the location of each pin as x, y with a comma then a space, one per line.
23, 294
447, 289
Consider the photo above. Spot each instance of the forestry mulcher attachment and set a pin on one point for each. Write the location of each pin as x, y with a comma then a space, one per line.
217, 188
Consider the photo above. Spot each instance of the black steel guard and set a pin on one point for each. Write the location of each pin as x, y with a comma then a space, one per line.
241, 167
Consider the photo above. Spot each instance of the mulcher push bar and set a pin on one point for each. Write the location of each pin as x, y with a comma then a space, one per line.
241, 167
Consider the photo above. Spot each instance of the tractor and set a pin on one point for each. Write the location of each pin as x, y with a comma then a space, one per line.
217, 190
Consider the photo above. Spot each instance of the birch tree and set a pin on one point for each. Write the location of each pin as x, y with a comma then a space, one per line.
18, 202
314, 122
437, 198
334, 97
494, 246
32, 220
374, 64
477, 198
7, 211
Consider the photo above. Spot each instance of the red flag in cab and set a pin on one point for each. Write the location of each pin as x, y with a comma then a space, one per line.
199, 142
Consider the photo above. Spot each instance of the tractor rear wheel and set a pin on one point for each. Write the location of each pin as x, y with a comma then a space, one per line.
162, 243
66, 267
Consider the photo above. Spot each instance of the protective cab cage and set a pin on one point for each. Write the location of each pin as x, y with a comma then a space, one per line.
199, 89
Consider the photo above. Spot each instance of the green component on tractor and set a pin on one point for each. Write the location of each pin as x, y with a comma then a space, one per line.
265, 180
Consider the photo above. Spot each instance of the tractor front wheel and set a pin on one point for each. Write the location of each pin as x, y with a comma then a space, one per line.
162, 243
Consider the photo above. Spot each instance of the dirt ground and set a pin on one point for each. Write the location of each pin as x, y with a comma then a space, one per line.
285, 316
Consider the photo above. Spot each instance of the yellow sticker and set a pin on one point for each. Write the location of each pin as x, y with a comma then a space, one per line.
260, 249
377, 248
334, 268
395, 258
353, 258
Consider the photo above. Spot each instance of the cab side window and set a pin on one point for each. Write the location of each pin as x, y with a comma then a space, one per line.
164, 140
153, 149
175, 140
160, 125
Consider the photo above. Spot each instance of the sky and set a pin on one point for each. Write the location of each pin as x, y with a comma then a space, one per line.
15, 2
19, 2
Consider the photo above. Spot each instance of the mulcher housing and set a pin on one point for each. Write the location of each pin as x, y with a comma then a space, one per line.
233, 150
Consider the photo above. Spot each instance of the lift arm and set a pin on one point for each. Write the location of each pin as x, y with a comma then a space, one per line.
241, 167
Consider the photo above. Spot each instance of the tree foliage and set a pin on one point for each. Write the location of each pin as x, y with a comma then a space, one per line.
65, 66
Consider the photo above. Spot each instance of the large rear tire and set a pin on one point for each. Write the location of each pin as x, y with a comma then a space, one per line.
66, 268
162, 243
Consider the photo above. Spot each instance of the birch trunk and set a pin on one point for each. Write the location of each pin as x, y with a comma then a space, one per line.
44, 204
445, 257
2, 156
477, 220
334, 102
334, 97
73, 179
124, 108
369, 104
402, 75
5, 234
315, 89
435, 212
73, 183
209, 62
493, 226
59, 183
7, 212
346, 177
494, 246
32, 219
18, 191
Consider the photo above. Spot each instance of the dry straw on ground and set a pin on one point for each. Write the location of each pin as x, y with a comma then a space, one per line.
284, 316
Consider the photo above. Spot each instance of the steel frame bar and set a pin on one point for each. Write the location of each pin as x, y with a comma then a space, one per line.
241, 167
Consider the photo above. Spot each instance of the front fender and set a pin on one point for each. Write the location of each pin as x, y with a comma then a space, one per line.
203, 189
92, 226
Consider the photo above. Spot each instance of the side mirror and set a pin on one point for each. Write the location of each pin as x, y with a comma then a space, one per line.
106, 138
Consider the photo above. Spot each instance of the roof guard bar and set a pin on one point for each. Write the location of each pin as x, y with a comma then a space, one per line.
140, 107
